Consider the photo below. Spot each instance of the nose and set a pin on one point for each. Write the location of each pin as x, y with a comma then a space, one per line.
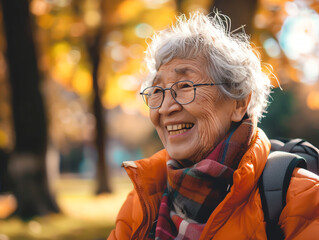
169, 104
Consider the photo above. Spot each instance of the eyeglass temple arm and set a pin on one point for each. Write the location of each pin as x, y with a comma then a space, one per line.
207, 84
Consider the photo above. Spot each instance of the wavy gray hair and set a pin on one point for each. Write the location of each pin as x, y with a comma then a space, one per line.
230, 57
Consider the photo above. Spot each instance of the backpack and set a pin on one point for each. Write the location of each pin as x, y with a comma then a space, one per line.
285, 156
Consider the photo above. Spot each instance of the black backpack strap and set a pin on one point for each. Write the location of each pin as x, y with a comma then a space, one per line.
300, 147
291, 144
273, 185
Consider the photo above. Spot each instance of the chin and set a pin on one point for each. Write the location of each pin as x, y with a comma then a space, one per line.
182, 158
176, 155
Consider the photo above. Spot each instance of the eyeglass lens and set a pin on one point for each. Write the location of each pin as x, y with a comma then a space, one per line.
183, 92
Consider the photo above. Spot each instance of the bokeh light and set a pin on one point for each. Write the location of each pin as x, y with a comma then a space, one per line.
272, 47
299, 39
143, 30
153, 4
92, 18
39, 7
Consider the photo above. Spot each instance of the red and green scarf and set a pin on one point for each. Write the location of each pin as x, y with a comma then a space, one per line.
193, 193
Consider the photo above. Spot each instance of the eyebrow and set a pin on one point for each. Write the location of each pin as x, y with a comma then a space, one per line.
183, 71
179, 71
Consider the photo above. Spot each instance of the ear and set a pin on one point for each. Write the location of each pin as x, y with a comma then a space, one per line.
240, 109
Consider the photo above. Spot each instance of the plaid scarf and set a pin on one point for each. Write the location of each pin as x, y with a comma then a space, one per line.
193, 193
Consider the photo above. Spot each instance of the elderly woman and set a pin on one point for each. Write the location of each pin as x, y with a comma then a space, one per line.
206, 92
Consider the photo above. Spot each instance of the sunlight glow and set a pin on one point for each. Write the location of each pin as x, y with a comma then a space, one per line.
272, 48
118, 53
291, 8
39, 7
128, 82
4, 237
153, 4
313, 100
143, 30
74, 56
299, 39
311, 70
92, 18
35, 227
299, 35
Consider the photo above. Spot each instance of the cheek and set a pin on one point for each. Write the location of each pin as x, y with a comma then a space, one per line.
210, 128
214, 120
154, 117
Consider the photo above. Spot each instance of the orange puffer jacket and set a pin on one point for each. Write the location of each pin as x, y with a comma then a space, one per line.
238, 216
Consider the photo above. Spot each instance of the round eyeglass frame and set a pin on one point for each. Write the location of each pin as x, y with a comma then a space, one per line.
144, 95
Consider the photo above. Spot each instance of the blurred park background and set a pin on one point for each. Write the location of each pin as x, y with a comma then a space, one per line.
70, 112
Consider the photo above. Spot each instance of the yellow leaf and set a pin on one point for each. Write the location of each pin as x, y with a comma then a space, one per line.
45, 21
82, 82
313, 100
128, 10
3, 139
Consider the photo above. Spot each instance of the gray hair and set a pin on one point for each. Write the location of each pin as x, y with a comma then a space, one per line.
230, 57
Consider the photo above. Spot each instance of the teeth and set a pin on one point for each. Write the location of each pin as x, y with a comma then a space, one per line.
178, 132
179, 128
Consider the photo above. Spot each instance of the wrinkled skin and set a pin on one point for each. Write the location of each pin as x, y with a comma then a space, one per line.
211, 113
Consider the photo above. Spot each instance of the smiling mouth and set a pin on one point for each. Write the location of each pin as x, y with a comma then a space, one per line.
179, 128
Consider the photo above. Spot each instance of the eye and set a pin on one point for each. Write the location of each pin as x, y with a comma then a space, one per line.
184, 84
154, 90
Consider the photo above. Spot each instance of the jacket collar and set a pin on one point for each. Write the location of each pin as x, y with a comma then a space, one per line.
149, 178
151, 171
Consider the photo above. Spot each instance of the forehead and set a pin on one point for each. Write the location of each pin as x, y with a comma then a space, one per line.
177, 68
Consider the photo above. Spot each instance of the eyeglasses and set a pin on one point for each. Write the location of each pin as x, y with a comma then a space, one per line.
183, 92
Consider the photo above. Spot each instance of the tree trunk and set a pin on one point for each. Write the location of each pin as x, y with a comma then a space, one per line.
4, 179
241, 12
26, 166
94, 43
179, 6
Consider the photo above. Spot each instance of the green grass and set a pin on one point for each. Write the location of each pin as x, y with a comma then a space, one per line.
56, 226
83, 214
